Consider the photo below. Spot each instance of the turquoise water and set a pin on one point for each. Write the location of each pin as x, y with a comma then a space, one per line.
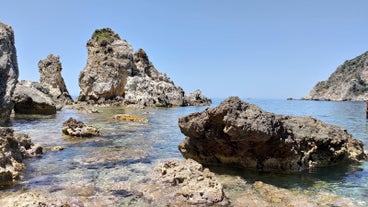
126, 151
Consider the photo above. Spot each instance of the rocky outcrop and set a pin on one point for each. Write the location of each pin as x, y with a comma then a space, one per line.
114, 74
76, 128
50, 77
239, 133
183, 183
348, 82
8, 72
110, 61
32, 98
197, 99
13, 149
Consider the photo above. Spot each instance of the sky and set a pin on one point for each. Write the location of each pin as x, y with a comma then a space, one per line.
252, 49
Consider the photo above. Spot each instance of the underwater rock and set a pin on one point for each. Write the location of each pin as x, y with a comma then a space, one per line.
13, 149
239, 133
128, 117
183, 183
76, 128
32, 98
8, 72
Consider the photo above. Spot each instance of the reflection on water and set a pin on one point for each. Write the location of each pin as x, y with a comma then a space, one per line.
126, 151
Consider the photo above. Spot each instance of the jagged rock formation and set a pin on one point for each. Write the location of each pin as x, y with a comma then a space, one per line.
183, 183
76, 128
32, 98
348, 82
114, 74
197, 99
8, 72
13, 149
239, 133
50, 77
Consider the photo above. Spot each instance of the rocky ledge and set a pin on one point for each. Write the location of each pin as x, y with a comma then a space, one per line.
13, 149
239, 133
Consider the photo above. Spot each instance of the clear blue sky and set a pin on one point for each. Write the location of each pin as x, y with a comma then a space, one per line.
259, 48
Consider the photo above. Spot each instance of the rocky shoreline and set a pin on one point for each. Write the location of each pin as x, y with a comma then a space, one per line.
235, 132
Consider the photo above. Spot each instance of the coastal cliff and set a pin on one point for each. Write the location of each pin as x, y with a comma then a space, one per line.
348, 83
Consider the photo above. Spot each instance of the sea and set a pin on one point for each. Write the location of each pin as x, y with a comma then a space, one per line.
127, 151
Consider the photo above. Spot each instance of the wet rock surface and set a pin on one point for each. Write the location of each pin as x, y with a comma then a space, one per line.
50, 77
239, 133
76, 128
13, 149
8, 72
32, 98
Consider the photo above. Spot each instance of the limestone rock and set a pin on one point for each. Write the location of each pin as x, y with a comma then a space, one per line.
183, 183
76, 128
110, 61
197, 99
239, 133
13, 149
8, 72
50, 77
114, 74
348, 82
32, 98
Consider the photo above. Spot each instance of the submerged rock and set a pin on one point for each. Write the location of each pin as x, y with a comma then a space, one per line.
32, 98
127, 117
13, 149
76, 128
50, 77
183, 183
8, 72
239, 133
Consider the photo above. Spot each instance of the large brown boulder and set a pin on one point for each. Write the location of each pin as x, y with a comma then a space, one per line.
32, 98
239, 133
8, 72
50, 77
13, 149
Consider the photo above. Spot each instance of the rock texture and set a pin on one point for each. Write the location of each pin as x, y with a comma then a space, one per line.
183, 183
50, 77
13, 149
239, 133
197, 99
76, 128
348, 82
115, 74
32, 98
8, 72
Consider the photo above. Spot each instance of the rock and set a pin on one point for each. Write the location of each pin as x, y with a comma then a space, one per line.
8, 72
239, 133
13, 149
348, 82
183, 183
197, 99
76, 128
127, 117
110, 61
50, 77
114, 74
32, 98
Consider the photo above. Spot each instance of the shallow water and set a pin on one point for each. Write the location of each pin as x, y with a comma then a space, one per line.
126, 151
